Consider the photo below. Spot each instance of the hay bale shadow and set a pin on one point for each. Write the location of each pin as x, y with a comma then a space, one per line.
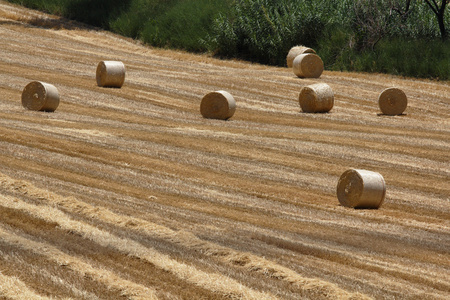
385, 115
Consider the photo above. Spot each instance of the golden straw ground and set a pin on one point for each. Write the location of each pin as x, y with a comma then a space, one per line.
14, 288
252, 200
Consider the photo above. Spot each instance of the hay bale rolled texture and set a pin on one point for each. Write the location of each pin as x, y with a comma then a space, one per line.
296, 51
218, 105
307, 66
110, 74
316, 98
40, 96
392, 101
361, 189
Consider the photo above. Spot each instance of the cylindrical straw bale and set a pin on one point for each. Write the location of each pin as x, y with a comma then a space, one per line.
316, 98
110, 74
361, 189
307, 65
218, 105
296, 51
392, 101
40, 96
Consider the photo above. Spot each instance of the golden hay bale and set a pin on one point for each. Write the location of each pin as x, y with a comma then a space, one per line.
40, 96
296, 51
315, 98
218, 105
110, 74
392, 101
361, 189
307, 65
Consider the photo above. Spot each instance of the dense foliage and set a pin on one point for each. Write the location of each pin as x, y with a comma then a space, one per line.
361, 35
356, 35
169, 23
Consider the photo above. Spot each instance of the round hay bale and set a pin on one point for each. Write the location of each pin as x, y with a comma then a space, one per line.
392, 101
110, 74
40, 96
218, 105
296, 51
361, 189
307, 65
316, 98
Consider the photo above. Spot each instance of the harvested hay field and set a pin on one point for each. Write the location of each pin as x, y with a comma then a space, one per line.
131, 193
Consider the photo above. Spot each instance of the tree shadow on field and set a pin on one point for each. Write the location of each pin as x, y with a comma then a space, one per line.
79, 14
57, 23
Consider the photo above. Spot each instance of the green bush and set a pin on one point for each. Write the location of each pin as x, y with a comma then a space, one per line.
264, 30
133, 21
336, 48
361, 35
184, 25
424, 58
414, 57
96, 12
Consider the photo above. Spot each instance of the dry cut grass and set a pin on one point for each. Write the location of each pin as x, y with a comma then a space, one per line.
131, 193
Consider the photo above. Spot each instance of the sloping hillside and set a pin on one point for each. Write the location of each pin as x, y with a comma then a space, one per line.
130, 193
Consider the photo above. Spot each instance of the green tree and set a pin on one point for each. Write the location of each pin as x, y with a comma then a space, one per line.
439, 11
